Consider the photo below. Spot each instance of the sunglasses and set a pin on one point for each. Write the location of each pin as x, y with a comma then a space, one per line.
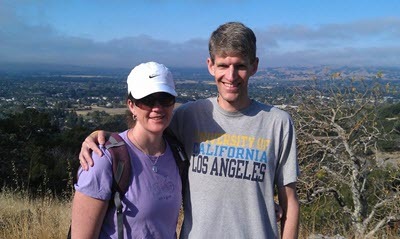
162, 98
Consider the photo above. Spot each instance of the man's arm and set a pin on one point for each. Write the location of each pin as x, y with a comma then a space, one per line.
91, 144
291, 211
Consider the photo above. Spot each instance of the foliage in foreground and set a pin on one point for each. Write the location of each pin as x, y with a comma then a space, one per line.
42, 147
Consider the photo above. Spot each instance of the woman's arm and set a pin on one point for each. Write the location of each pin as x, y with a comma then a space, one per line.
87, 216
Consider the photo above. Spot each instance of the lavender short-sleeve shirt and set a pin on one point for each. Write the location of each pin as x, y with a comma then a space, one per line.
152, 202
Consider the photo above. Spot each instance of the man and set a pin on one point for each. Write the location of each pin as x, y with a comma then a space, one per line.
239, 150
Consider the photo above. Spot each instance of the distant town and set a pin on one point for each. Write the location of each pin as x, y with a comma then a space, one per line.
82, 90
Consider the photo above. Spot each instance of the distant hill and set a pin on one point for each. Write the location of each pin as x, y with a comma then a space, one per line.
54, 69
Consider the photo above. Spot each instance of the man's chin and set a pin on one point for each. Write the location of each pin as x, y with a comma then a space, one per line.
230, 97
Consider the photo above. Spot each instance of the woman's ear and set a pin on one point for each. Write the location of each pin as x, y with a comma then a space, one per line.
131, 106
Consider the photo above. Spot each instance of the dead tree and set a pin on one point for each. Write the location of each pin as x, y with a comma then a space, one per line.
338, 131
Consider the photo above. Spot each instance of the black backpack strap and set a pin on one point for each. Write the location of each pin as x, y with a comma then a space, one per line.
121, 175
180, 156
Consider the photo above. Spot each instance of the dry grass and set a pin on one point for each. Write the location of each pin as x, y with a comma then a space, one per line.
110, 111
47, 217
180, 222
43, 218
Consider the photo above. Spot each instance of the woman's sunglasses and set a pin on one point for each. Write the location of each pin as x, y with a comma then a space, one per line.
162, 98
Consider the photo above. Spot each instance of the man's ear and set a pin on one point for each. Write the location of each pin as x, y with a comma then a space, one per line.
255, 66
210, 66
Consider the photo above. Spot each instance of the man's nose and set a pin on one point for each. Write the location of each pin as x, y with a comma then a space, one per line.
231, 73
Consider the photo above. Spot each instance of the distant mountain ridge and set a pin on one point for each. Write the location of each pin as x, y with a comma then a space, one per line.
56, 69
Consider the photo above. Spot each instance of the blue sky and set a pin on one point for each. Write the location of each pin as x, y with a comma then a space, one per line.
123, 33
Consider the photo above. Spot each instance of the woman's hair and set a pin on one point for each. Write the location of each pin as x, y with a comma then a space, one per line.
233, 38
128, 114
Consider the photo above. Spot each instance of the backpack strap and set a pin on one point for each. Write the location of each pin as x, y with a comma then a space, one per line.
121, 175
180, 156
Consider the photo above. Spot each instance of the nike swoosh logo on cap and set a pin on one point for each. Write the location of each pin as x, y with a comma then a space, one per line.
153, 75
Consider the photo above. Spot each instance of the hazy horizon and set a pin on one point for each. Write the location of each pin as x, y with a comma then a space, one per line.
124, 33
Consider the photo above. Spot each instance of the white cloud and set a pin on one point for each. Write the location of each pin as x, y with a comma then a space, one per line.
364, 42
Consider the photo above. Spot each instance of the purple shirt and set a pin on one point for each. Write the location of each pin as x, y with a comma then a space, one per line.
151, 204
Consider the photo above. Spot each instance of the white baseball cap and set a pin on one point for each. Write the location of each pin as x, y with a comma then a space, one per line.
148, 78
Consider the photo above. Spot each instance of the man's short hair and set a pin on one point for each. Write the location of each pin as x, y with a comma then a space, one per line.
233, 38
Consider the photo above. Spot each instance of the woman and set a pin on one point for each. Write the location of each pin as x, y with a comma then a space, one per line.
152, 202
